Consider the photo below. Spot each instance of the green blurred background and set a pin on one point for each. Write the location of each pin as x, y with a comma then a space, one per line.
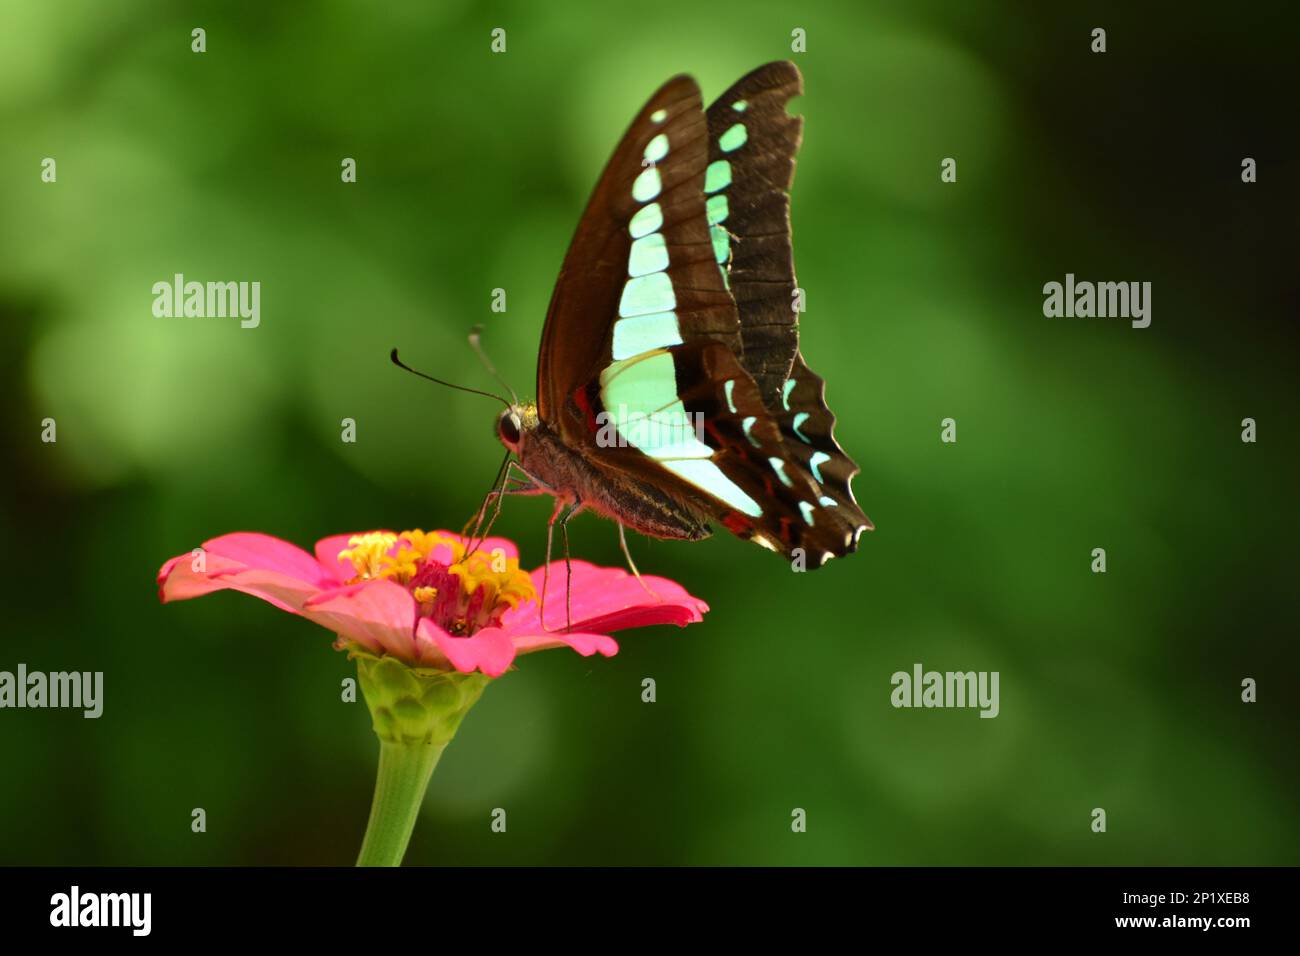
924, 301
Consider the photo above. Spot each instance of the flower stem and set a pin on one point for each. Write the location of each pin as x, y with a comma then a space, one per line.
404, 772
415, 712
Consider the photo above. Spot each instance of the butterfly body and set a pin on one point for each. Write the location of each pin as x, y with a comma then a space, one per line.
671, 389
556, 469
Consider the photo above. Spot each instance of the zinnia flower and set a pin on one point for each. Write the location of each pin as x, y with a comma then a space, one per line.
419, 597
429, 623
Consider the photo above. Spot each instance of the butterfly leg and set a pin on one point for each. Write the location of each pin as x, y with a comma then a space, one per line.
497, 484
627, 556
525, 484
568, 568
561, 515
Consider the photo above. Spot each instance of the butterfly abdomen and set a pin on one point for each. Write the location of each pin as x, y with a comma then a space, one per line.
569, 476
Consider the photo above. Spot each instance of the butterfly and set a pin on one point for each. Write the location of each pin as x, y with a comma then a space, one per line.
671, 392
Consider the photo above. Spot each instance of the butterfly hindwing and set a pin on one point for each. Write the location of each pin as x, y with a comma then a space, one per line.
753, 134
752, 146
807, 426
689, 418
753, 450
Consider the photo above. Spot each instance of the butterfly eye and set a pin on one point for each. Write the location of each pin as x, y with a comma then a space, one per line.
508, 428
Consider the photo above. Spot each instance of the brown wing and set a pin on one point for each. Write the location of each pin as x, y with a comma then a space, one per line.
650, 193
751, 132
807, 424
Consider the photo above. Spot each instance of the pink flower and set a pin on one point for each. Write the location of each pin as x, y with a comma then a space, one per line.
421, 598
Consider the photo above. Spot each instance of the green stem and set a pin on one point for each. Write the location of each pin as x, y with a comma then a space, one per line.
404, 772
415, 712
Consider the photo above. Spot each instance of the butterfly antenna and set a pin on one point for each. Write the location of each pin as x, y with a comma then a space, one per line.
475, 342
463, 388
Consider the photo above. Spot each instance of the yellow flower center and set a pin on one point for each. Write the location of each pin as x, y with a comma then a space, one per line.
460, 592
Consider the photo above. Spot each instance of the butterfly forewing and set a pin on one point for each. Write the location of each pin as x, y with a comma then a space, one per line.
640, 272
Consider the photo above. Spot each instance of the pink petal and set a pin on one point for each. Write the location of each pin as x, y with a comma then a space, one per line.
178, 581
255, 550
378, 614
603, 599
489, 650
584, 644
